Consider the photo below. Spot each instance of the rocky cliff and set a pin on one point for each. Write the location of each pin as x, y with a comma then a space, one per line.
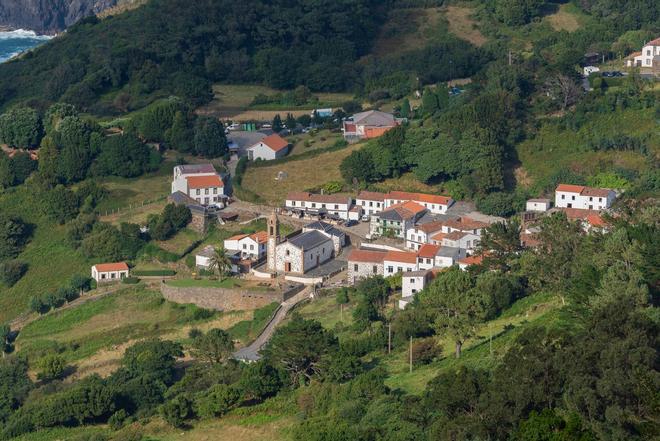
48, 16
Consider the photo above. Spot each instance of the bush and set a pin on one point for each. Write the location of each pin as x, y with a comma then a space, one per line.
160, 272
176, 411
426, 350
497, 204
217, 401
116, 421
130, 280
12, 271
51, 367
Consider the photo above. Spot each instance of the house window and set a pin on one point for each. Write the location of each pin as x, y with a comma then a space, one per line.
399, 269
287, 252
112, 275
569, 205
355, 267
374, 269
600, 199
215, 190
371, 204
198, 192
572, 198
412, 280
206, 191
336, 207
428, 260
414, 291
293, 203
251, 247
103, 276
563, 196
390, 269
313, 205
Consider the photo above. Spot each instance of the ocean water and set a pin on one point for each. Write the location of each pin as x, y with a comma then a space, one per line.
13, 43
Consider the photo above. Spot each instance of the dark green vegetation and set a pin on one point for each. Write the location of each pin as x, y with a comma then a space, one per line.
554, 376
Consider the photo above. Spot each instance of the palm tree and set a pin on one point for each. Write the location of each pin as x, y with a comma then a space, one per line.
220, 262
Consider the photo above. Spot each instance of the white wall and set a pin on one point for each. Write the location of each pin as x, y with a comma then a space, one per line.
262, 151
537, 206
370, 207
392, 267
363, 270
411, 285
564, 199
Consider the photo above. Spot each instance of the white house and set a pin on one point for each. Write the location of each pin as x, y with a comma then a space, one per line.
371, 202
363, 263
395, 220
248, 246
426, 256
649, 54
436, 204
310, 203
421, 234
303, 252
588, 70
200, 182
180, 172
413, 282
448, 256
269, 148
538, 205
461, 239
399, 262
587, 198
109, 272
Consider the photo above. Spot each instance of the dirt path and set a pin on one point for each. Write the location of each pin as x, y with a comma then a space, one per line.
251, 352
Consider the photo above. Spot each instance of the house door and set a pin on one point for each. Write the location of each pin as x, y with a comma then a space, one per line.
318, 260
287, 267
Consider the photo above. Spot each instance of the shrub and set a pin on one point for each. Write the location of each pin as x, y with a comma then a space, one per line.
116, 421
176, 411
51, 367
217, 401
12, 271
426, 350
130, 280
160, 272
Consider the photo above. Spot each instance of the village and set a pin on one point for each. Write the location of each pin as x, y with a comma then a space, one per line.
339, 239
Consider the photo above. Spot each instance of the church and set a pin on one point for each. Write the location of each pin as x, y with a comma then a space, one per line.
315, 245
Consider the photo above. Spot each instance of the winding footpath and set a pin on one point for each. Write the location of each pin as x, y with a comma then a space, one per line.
251, 353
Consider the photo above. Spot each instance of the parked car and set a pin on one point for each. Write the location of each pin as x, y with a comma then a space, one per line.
350, 223
365, 218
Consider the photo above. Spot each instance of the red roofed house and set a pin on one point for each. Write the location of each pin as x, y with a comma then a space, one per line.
269, 148
413, 282
200, 182
586, 198
426, 256
396, 220
470, 260
649, 57
109, 272
249, 246
364, 263
399, 262
418, 235
369, 124
436, 204
371, 202
311, 203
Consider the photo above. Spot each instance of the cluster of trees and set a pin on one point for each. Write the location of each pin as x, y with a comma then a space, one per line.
76, 285
175, 124
279, 43
14, 235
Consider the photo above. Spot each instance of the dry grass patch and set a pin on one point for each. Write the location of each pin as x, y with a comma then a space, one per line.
302, 174
405, 182
563, 19
463, 26
406, 29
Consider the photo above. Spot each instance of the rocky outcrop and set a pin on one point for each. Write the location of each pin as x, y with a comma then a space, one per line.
49, 16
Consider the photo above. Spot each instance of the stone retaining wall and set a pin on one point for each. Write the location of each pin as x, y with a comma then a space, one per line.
221, 299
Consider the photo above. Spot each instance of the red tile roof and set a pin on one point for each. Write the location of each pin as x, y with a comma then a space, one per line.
456, 235
420, 197
569, 188
472, 260
412, 207
430, 227
275, 142
108, 267
204, 181
369, 256
439, 236
428, 251
595, 220
655, 42
371, 196
260, 236
401, 256
237, 237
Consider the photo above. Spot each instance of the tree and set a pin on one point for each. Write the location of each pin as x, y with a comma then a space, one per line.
48, 160
6, 172
405, 108
277, 123
298, 348
5, 334
14, 234
563, 89
214, 347
220, 262
455, 312
517, 12
180, 136
259, 381
290, 122
75, 155
51, 367
55, 114
11, 271
22, 167
20, 127
61, 204
154, 358
177, 410
500, 245
14, 385
209, 137
430, 103
216, 401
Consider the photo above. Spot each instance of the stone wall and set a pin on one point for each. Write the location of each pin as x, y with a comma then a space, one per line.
222, 299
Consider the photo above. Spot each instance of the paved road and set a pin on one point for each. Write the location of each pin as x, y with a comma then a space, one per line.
251, 352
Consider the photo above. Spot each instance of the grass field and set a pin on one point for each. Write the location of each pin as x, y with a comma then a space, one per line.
567, 18
234, 102
553, 148
181, 241
301, 175
306, 142
463, 25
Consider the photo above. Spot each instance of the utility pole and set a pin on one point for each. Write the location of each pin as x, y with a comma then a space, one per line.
411, 353
389, 338
341, 312
490, 340
510, 58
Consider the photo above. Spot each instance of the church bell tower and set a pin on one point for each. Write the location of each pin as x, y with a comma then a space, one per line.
273, 238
